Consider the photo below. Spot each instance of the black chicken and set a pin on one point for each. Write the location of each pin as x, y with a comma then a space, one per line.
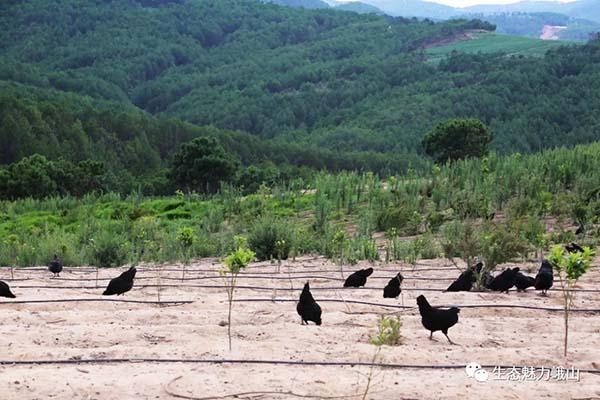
307, 307
121, 284
544, 278
5, 291
574, 248
392, 290
504, 281
435, 319
464, 282
522, 282
359, 278
55, 266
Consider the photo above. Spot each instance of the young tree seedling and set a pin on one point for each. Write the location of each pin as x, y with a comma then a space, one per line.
569, 267
339, 243
185, 238
279, 250
235, 262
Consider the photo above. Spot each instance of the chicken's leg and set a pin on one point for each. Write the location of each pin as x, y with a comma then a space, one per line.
447, 337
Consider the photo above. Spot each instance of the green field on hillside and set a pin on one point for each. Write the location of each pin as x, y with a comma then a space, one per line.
496, 43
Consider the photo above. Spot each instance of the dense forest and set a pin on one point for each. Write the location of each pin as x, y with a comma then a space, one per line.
135, 148
126, 83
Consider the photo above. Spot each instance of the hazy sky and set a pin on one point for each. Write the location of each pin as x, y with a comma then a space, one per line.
465, 3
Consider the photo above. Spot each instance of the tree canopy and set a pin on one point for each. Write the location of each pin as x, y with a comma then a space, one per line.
457, 139
202, 164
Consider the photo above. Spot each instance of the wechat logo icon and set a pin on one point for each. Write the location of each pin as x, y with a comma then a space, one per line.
475, 371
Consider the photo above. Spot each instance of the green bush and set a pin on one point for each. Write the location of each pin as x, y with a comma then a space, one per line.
459, 239
388, 332
400, 218
362, 248
109, 249
264, 236
426, 247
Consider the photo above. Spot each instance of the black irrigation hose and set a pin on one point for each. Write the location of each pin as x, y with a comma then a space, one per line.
98, 300
589, 310
216, 287
263, 362
282, 277
264, 288
192, 269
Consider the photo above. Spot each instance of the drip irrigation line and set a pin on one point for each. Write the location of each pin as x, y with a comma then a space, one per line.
263, 362
282, 277
263, 288
16, 280
389, 268
265, 300
266, 288
98, 300
45, 269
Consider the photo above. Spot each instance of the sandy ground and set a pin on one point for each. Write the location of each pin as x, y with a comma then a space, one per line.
271, 330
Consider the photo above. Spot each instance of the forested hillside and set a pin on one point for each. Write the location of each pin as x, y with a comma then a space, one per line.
136, 147
80, 78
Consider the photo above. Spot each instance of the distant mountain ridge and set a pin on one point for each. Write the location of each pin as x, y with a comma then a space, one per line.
577, 20
580, 9
358, 7
586, 9
415, 8
308, 4
537, 25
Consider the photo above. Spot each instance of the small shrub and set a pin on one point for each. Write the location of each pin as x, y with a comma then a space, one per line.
388, 332
460, 240
108, 250
396, 217
519, 207
362, 248
426, 247
498, 244
264, 236
213, 220
435, 220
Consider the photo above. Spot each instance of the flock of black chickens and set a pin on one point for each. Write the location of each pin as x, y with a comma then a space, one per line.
433, 318
437, 319
119, 285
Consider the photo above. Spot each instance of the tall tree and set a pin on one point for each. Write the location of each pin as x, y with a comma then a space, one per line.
202, 165
457, 139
